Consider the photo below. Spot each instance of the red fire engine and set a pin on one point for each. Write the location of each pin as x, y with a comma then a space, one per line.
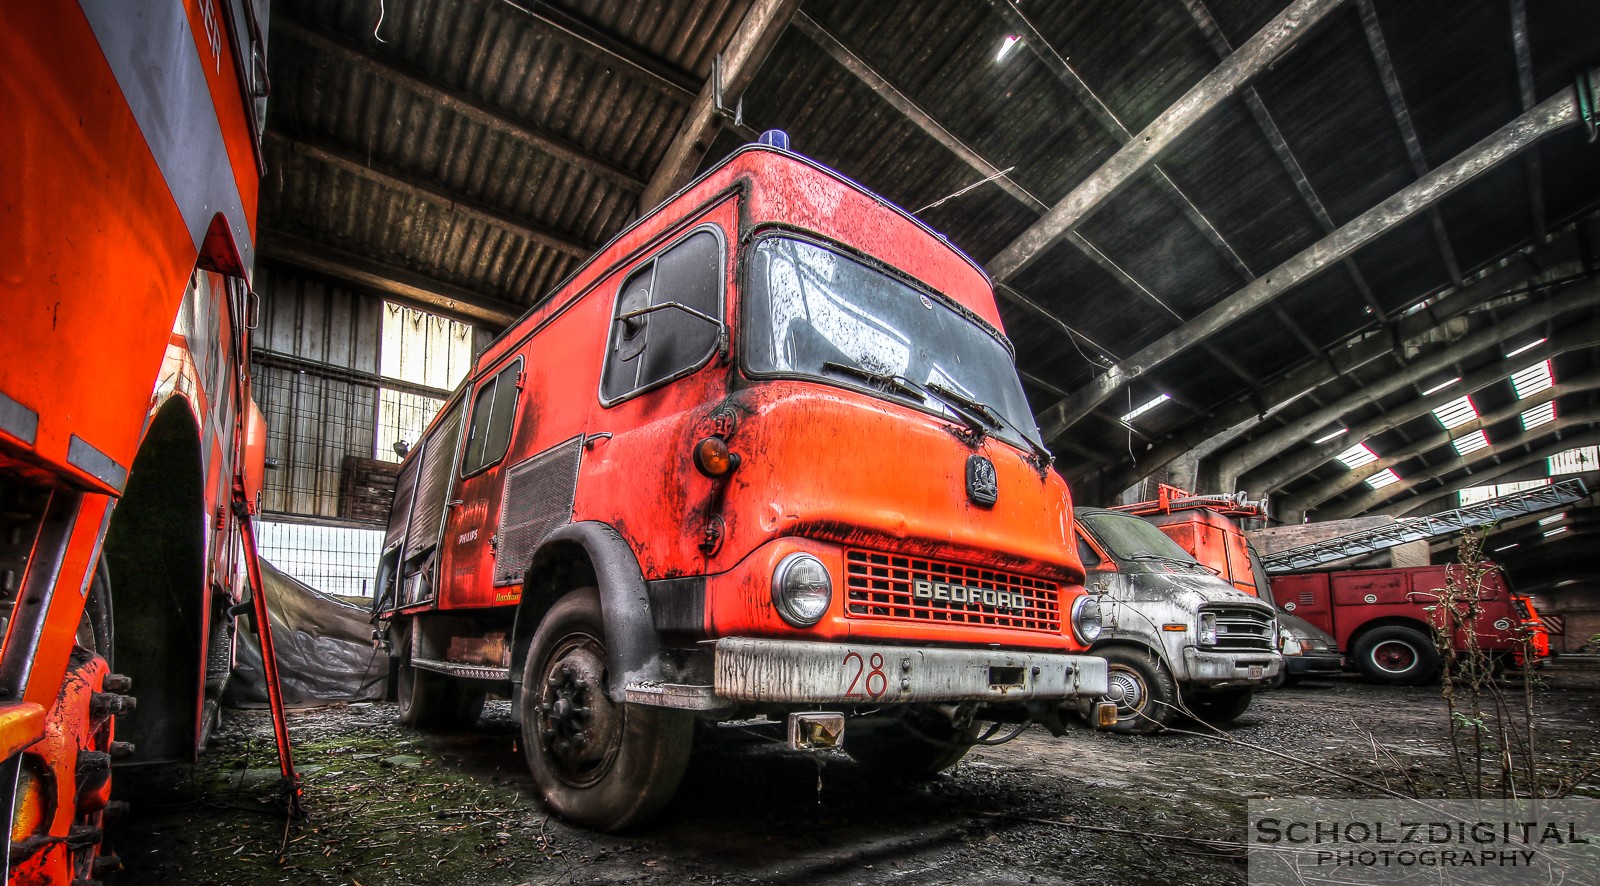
765, 453
128, 179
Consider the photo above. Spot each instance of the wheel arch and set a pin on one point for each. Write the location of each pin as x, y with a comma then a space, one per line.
579, 555
155, 549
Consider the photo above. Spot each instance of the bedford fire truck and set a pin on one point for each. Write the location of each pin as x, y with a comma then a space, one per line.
129, 444
766, 453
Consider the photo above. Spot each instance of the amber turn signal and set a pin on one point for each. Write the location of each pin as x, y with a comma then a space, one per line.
712, 457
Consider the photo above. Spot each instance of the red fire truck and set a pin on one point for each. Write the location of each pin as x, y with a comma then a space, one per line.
1387, 618
765, 453
128, 181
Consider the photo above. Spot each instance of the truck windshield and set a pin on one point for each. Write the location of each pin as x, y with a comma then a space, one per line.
1130, 538
812, 311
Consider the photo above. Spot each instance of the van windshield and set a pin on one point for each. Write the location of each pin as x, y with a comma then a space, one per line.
1130, 538
812, 311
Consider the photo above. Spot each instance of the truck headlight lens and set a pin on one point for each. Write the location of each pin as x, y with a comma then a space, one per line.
1086, 619
801, 589
1208, 629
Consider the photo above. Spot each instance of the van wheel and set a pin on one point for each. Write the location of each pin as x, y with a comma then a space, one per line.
1143, 689
1222, 706
598, 763
920, 743
1397, 656
430, 700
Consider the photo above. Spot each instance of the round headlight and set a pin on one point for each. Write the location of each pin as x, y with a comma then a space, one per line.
1086, 619
801, 589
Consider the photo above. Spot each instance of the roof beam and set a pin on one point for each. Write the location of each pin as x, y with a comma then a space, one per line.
454, 100
656, 72
1512, 449
1579, 296
736, 66
1308, 500
1552, 115
1521, 45
342, 159
1408, 130
1267, 46
1280, 149
1279, 471
387, 281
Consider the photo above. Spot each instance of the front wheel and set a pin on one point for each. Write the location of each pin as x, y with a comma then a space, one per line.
1142, 687
599, 764
1397, 656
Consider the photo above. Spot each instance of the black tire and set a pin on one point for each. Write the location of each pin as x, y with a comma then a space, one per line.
1397, 656
1222, 706
599, 764
918, 743
1278, 680
432, 701
1143, 689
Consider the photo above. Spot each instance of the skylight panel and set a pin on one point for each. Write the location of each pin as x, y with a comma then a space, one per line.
1357, 455
1382, 478
1011, 42
1575, 461
1474, 494
1555, 519
1470, 443
1556, 531
1439, 387
1542, 414
1141, 410
1532, 380
1456, 413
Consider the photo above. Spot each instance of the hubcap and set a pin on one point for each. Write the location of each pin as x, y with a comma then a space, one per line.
579, 726
1126, 689
1394, 656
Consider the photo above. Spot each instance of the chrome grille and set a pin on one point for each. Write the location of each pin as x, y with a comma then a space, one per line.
885, 587
1242, 627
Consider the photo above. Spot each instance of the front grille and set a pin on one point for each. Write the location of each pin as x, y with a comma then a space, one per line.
1244, 627
889, 587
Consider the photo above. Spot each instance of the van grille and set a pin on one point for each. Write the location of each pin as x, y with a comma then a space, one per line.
888, 587
1243, 627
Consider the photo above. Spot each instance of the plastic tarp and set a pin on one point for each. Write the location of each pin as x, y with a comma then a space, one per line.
325, 649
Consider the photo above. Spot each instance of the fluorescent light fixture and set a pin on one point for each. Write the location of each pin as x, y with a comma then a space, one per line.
1470, 443
1440, 386
1382, 478
1532, 380
1330, 435
1542, 414
1527, 347
1011, 42
1357, 455
1141, 410
1507, 547
1556, 519
1556, 531
1456, 413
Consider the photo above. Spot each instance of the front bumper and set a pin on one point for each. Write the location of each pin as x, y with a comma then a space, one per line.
1222, 669
1314, 664
760, 670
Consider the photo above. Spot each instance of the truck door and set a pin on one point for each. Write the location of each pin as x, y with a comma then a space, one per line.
419, 573
472, 519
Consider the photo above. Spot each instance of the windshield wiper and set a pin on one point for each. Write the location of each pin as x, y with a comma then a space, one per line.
883, 380
991, 417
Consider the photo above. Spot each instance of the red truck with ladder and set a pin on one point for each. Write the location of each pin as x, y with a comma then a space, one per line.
766, 453
130, 449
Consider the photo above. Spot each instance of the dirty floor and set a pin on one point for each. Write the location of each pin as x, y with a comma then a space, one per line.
386, 805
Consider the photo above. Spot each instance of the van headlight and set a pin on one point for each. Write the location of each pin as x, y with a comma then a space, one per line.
1086, 619
801, 589
1208, 629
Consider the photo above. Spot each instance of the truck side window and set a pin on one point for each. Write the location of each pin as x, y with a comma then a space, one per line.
1086, 554
653, 347
492, 411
